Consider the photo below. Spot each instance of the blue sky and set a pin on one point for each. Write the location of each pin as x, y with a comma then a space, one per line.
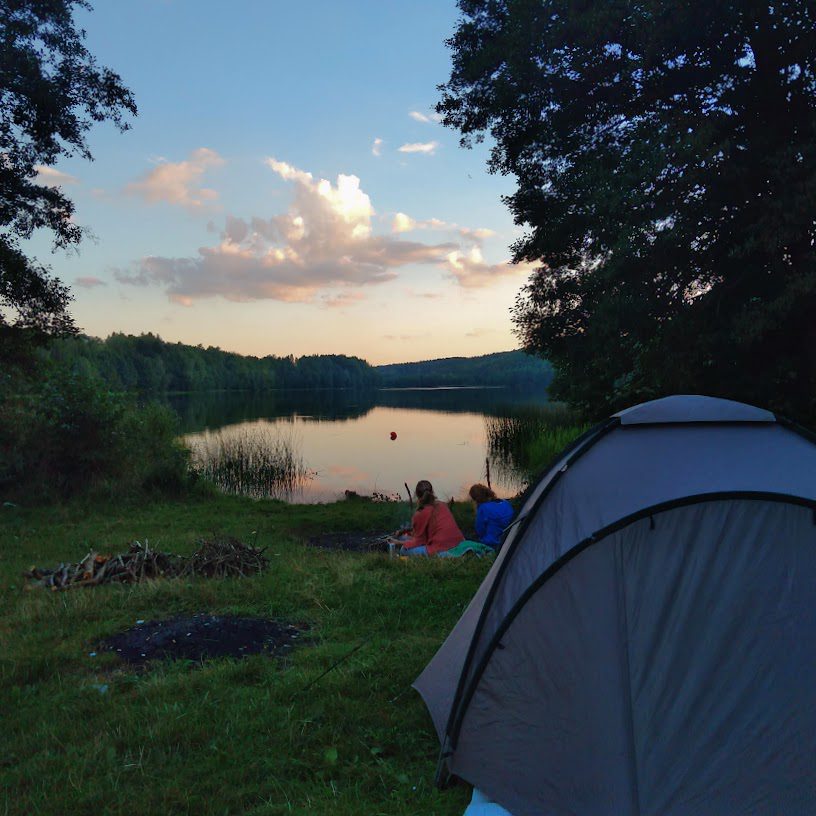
285, 187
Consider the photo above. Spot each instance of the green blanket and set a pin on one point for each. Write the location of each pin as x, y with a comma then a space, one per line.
464, 547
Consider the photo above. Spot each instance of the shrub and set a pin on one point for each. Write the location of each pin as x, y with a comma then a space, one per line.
67, 434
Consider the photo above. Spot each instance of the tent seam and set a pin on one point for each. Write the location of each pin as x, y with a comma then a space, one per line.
580, 447
627, 678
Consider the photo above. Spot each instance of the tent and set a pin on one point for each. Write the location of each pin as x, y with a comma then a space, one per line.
645, 642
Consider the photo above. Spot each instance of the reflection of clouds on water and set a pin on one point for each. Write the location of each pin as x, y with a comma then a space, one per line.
355, 451
347, 472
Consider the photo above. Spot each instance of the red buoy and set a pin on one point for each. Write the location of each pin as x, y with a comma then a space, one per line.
393, 435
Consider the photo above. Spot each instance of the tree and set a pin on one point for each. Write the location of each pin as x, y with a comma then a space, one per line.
665, 155
51, 92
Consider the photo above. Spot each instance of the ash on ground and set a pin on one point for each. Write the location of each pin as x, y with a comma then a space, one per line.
355, 541
202, 637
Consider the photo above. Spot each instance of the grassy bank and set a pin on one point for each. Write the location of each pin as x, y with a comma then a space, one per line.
225, 737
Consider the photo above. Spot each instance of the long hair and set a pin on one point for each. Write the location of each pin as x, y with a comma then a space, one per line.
481, 493
424, 493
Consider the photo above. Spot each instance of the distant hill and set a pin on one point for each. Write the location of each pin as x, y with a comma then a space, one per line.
508, 368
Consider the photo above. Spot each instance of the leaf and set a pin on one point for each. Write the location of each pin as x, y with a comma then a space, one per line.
330, 755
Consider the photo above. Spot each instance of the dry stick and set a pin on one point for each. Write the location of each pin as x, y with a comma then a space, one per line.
334, 665
487, 471
410, 498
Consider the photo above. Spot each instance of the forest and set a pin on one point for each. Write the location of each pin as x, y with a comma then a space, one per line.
148, 363
505, 368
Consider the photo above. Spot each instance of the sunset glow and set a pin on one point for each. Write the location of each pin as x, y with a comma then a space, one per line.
283, 199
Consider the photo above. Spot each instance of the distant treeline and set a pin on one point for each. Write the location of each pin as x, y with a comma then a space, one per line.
507, 368
148, 363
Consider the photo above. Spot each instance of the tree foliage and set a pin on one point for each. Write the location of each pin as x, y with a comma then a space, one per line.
513, 369
148, 363
665, 155
51, 92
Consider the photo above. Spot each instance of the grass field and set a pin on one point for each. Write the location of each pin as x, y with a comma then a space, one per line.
226, 736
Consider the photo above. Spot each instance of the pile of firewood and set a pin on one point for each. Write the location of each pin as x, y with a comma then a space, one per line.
216, 558
225, 558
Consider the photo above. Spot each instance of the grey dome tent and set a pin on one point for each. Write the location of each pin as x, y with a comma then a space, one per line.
645, 642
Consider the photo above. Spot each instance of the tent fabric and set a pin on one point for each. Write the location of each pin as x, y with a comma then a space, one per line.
693, 408
652, 603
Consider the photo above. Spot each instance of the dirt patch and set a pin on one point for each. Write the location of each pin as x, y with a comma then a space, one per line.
202, 637
355, 541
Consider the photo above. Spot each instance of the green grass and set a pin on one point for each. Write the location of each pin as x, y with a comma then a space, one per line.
225, 737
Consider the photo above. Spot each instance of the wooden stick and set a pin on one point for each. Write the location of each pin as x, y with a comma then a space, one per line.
410, 497
487, 471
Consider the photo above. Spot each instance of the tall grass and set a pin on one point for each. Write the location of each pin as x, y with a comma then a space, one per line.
255, 463
522, 445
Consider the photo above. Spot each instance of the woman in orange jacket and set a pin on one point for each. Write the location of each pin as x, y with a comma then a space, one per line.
433, 527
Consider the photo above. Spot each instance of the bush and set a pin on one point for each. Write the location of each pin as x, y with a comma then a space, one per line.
67, 434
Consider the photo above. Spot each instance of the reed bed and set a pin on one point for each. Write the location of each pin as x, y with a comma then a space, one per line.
256, 463
521, 446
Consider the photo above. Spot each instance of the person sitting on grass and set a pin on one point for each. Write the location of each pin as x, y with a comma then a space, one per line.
433, 527
493, 515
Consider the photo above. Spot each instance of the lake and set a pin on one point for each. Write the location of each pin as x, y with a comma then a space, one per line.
343, 438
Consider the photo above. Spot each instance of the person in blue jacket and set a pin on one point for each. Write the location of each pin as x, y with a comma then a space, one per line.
493, 515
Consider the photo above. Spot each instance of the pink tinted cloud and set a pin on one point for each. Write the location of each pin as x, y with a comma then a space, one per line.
324, 240
470, 270
50, 177
89, 282
178, 183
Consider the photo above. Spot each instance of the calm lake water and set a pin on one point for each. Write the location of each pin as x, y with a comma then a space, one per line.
343, 437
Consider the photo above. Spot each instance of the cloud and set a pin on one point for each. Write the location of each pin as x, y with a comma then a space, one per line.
50, 177
404, 223
476, 235
422, 117
470, 270
424, 295
479, 332
403, 337
427, 148
341, 299
287, 172
177, 182
376, 147
89, 282
323, 241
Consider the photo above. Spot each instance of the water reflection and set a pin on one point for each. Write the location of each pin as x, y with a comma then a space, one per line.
263, 463
344, 437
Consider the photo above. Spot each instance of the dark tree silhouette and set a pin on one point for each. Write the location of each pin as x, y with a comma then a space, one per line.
51, 92
665, 155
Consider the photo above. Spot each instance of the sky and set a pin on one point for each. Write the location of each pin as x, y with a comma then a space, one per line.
286, 187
